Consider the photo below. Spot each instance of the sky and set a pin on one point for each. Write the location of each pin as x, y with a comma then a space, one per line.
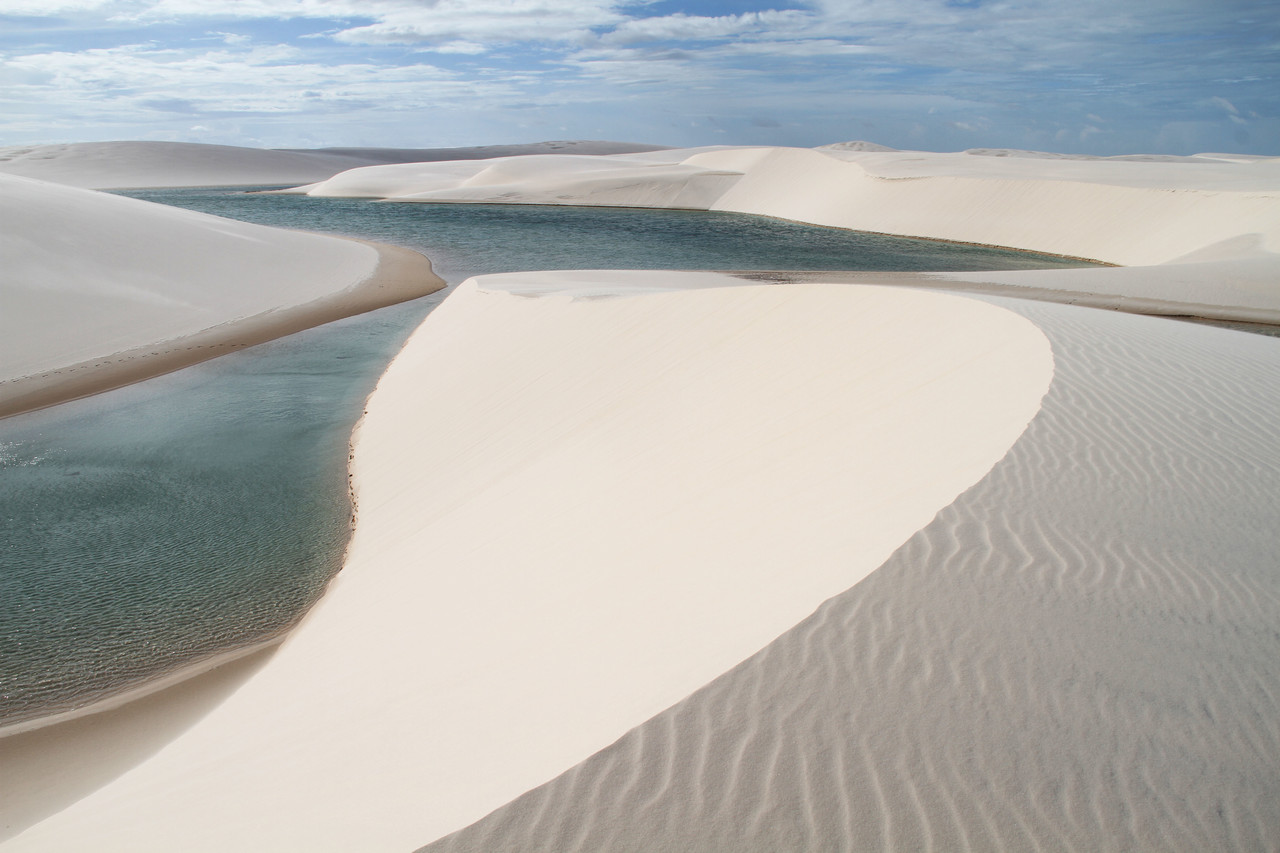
1073, 76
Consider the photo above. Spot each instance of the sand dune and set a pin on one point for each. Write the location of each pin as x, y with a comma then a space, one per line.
574, 511
101, 290
1078, 654
1128, 213
112, 165
620, 180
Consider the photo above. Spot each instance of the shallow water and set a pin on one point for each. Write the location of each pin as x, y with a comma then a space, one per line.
469, 239
149, 527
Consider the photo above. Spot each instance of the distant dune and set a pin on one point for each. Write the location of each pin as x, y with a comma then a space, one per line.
114, 165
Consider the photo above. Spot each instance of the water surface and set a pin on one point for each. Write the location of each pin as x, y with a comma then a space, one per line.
469, 239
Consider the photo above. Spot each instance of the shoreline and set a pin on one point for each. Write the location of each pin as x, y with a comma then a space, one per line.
397, 278
400, 275
924, 237
147, 687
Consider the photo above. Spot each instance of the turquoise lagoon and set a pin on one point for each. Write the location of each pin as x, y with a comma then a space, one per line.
148, 528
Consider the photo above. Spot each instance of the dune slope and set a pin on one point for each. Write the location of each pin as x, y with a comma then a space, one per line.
1078, 654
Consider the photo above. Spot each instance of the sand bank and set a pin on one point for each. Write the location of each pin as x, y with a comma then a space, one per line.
576, 507
115, 165
100, 290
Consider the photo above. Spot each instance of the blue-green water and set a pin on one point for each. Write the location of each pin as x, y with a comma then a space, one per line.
149, 527
466, 239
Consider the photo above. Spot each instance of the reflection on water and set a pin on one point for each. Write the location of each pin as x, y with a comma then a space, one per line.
154, 525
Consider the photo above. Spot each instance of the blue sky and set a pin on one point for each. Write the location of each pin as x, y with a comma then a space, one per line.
1084, 76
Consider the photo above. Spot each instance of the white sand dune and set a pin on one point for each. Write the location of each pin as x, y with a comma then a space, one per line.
620, 180
574, 511
100, 290
1130, 213
1079, 654
114, 165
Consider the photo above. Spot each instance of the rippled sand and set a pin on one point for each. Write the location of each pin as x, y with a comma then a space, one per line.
1078, 654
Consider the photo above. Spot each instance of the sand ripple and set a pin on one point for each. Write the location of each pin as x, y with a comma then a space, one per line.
1081, 653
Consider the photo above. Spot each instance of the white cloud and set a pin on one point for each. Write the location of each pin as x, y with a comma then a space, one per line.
485, 21
681, 27
44, 8
233, 39
796, 48
135, 79
1224, 104
468, 48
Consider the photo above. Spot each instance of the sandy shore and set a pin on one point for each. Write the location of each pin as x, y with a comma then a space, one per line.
149, 289
688, 561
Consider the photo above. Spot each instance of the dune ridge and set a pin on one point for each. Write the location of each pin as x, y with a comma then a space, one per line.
1077, 654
